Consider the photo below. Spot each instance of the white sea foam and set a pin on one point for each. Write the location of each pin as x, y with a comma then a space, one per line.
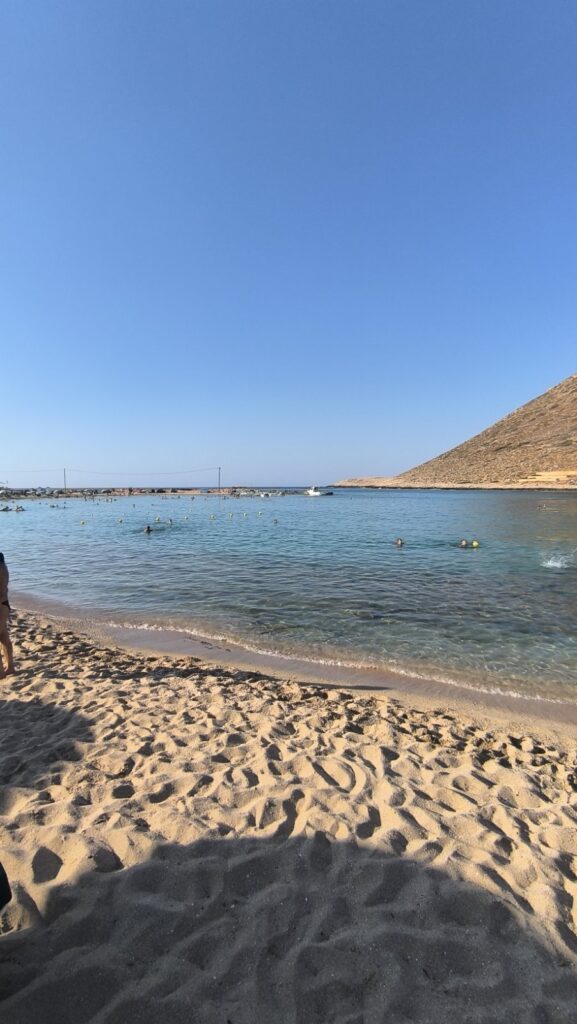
557, 562
433, 676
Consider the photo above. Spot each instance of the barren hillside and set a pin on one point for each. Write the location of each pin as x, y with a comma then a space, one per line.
532, 447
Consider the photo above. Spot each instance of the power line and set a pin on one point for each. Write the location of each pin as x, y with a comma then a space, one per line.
137, 472
125, 472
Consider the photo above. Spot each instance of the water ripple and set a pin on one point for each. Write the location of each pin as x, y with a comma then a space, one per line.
324, 580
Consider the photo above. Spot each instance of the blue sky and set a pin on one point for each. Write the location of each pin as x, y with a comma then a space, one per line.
302, 240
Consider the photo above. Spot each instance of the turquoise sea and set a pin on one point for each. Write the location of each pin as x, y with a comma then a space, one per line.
321, 579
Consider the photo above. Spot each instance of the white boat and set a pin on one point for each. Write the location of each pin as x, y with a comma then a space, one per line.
313, 492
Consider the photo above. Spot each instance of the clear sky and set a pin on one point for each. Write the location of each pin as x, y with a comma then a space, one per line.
302, 240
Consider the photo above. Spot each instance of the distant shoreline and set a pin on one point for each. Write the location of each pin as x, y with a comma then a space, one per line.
367, 485
239, 491
90, 494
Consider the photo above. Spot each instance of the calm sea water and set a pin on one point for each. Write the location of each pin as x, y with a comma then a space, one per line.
320, 578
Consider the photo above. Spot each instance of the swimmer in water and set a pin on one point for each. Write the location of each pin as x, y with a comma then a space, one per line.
400, 542
148, 529
463, 543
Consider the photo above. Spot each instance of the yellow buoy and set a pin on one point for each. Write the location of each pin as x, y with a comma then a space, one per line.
474, 543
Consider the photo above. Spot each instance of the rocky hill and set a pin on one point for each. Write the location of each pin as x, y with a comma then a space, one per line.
535, 446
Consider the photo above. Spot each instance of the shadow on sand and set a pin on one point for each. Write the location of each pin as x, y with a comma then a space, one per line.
35, 736
300, 930
48, 733
229, 930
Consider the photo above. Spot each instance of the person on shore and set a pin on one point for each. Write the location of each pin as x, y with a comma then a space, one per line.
4, 619
5, 890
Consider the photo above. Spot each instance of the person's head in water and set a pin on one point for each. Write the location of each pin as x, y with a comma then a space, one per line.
463, 543
148, 529
400, 542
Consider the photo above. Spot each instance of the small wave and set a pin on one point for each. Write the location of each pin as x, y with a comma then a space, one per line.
557, 562
429, 676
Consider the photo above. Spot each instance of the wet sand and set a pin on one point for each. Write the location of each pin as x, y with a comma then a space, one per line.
474, 699
194, 842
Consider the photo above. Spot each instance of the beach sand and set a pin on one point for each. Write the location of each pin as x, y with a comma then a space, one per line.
187, 843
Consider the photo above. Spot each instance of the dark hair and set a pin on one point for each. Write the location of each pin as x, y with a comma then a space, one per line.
1, 558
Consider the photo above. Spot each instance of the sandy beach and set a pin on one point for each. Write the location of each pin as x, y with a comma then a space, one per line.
188, 843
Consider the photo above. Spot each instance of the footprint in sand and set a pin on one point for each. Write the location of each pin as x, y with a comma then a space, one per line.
321, 855
220, 759
45, 865
235, 739
202, 783
273, 753
389, 754
239, 780
124, 790
337, 774
251, 777
366, 829
162, 794
290, 808
122, 770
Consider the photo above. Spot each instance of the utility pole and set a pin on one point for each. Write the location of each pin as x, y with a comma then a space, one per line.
64, 483
219, 481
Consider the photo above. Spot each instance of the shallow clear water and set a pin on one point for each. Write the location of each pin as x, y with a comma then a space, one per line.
321, 578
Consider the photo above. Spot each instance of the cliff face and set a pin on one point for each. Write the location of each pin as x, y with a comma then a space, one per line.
535, 446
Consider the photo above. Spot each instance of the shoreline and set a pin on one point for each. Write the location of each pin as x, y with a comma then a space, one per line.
175, 644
